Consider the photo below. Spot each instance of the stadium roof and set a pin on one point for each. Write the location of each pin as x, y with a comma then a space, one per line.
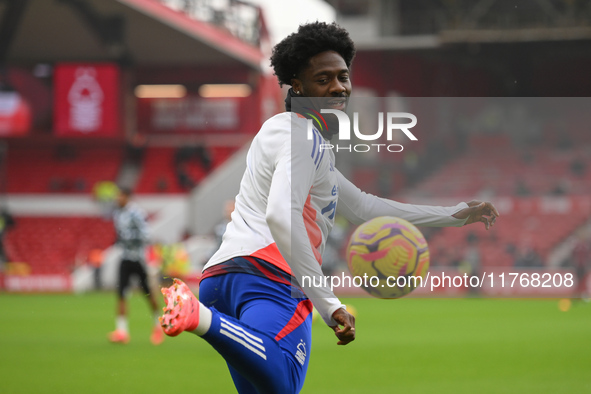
137, 32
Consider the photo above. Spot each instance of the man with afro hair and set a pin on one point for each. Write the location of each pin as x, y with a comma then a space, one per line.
293, 54
253, 308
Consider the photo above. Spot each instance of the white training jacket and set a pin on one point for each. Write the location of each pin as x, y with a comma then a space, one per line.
288, 198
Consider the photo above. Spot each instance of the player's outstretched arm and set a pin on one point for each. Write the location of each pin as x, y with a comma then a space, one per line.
479, 211
359, 207
346, 334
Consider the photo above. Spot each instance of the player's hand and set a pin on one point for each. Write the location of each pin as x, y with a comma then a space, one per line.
479, 211
347, 320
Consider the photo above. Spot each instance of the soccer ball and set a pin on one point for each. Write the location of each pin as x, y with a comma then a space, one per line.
388, 257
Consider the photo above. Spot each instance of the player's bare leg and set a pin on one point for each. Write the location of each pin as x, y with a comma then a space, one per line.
121, 333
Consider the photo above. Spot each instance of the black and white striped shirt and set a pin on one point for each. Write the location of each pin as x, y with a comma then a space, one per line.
132, 232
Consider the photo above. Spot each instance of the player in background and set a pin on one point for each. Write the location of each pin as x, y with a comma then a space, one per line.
132, 236
6, 224
248, 309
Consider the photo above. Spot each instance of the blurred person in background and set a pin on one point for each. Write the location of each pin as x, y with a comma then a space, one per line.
527, 256
472, 259
6, 223
581, 261
95, 260
131, 228
220, 228
105, 194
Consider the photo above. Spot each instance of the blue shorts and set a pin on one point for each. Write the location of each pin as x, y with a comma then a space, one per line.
270, 311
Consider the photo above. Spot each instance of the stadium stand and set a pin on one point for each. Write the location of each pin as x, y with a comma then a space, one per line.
538, 171
177, 170
65, 169
523, 174
51, 245
513, 236
86, 120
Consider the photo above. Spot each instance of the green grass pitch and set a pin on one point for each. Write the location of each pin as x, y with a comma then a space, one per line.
58, 344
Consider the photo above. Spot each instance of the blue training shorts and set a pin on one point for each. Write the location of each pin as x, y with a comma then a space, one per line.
272, 308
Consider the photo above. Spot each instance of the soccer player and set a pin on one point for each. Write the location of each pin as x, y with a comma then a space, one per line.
248, 309
132, 235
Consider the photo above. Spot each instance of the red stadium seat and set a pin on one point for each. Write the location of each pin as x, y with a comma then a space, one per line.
50, 245
39, 170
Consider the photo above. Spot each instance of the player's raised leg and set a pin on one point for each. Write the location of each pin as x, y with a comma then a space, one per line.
254, 355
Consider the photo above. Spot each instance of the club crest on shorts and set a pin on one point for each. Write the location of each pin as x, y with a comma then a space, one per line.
301, 352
